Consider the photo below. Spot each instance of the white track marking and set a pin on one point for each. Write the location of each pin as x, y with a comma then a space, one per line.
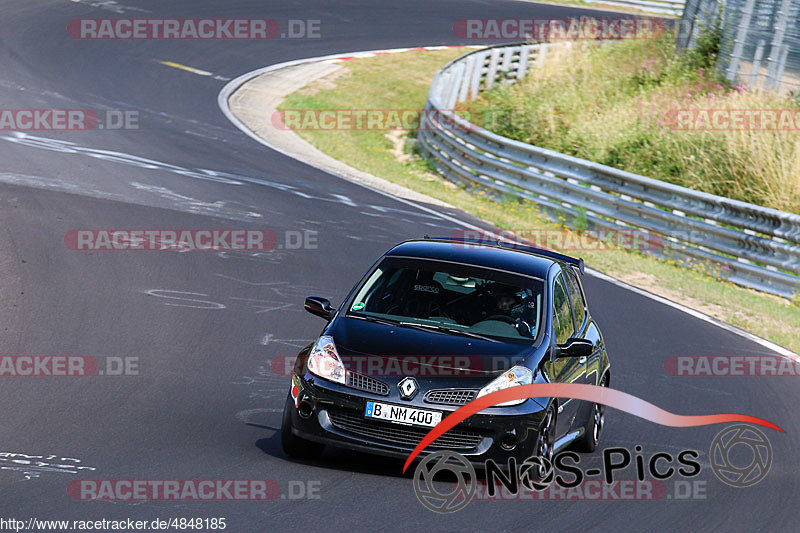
173, 295
32, 466
269, 338
110, 5
193, 70
194, 205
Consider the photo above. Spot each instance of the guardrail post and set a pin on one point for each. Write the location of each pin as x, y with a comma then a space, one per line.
757, 56
480, 59
466, 79
455, 86
777, 43
738, 44
522, 69
508, 55
781, 66
493, 64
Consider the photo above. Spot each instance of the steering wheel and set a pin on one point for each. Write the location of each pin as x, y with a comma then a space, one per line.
503, 318
523, 328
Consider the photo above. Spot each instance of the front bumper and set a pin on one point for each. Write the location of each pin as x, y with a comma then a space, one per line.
336, 418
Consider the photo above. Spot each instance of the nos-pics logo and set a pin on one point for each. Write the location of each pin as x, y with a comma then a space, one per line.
740, 456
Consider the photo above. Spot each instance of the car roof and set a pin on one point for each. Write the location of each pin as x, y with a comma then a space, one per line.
522, 261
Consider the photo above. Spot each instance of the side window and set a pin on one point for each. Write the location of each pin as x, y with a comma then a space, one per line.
564, 327
578, 304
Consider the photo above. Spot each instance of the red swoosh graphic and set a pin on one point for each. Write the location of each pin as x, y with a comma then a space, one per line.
592, 393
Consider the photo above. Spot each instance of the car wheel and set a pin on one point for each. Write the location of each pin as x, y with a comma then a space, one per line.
594, 425
294, 446
545, 444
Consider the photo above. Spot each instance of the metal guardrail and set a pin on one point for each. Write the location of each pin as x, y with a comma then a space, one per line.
743, 243
667, 7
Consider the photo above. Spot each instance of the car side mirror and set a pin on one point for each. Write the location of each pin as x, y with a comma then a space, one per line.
575, 347
320, 307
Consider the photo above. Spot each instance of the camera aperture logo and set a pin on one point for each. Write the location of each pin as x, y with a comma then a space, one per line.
450, 501
724, 456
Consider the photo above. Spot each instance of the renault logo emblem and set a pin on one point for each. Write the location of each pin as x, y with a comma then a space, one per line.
408, 388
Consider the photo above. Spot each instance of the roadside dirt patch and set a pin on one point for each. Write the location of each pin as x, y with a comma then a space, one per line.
398, 140
324, 83
649, 283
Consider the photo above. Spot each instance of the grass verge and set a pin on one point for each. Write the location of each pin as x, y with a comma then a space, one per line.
401, 81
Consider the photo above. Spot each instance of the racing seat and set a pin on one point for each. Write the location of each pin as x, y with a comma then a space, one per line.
423, 297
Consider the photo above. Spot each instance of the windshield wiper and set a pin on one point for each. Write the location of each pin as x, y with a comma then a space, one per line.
445, 329
442, 329
384, 321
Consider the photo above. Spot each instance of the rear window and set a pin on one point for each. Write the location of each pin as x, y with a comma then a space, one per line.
578, 304
563, 325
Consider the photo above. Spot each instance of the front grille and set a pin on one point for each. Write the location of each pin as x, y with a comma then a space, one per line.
367, 384
451, 396
356, 423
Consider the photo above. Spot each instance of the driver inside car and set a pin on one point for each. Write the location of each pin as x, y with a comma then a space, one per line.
510, 303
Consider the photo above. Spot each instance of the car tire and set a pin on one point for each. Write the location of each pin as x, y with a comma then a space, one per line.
546, 439
593, 426
294, 446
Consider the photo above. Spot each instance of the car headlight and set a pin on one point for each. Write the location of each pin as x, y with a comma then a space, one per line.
324, 360
513, 377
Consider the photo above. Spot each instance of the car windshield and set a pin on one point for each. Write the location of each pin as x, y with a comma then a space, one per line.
452, 298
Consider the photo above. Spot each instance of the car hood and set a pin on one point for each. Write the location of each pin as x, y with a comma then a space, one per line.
379, 349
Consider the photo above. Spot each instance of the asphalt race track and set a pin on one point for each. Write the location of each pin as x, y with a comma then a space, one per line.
205, 403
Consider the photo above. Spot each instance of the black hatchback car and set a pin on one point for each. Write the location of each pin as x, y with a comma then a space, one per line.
434, 324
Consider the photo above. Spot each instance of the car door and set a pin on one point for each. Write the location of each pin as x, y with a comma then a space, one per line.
565, 369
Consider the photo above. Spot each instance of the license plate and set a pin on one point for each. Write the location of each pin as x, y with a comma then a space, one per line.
399, 414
